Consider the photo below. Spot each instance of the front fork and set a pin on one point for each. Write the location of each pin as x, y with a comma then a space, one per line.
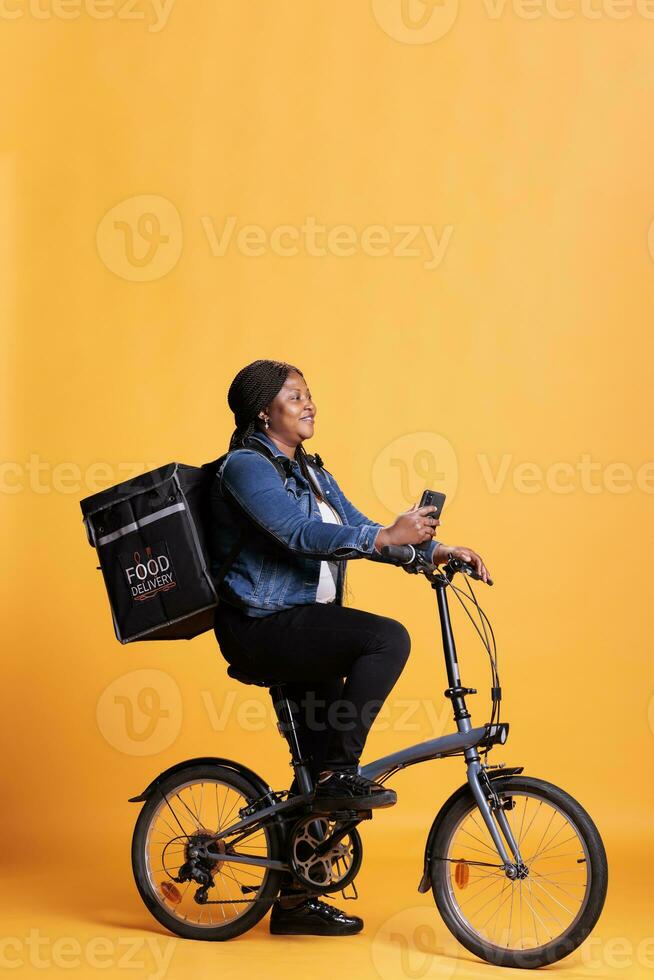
492, 811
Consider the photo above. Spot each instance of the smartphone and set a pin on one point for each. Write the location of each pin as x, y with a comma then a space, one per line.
435, 498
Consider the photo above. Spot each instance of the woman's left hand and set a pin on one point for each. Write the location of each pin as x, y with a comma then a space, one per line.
444, 551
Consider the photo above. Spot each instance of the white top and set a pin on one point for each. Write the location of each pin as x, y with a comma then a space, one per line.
328, 569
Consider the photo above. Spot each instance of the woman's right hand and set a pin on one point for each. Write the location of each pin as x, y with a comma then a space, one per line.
411, 527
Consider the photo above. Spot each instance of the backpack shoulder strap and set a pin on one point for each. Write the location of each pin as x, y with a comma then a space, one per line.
211, 468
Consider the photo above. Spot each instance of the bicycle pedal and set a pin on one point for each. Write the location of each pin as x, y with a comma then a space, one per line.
344, 814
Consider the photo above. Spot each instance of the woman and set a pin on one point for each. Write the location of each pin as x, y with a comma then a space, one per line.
281, 611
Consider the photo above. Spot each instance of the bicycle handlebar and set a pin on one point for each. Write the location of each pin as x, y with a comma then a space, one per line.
408, 556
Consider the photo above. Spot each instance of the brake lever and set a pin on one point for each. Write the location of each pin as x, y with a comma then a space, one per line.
457, 565
472, 573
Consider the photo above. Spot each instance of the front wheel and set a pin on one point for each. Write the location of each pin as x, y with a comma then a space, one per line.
545, 913
192, 896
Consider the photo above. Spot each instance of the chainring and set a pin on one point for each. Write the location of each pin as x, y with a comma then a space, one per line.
331, 871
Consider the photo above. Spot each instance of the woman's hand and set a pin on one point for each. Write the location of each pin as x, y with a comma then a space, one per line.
411, 527
444, 552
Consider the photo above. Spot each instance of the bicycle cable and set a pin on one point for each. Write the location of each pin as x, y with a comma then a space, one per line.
489, 645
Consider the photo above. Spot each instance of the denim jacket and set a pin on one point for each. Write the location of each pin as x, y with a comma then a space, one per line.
278, 567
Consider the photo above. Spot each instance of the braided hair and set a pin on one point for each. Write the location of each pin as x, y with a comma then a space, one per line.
255, 386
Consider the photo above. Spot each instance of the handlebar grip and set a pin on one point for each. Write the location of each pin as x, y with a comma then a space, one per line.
401, 553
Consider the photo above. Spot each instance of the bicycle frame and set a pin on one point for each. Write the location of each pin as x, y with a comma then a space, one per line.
465, 741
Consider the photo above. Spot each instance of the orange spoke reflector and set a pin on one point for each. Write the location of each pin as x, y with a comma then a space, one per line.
462, 874
170, 892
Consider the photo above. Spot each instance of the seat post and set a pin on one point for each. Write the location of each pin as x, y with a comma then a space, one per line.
287, 727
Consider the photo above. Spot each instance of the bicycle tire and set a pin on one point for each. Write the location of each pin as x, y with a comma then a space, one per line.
270, 884
594, 898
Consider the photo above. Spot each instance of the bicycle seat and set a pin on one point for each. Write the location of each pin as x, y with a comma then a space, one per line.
246, 679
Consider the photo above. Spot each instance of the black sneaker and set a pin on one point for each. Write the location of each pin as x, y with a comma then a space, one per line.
313, 918
350, 791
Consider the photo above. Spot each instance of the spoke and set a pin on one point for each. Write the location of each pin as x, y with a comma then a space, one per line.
549, 843
491, 899
172, 829
184, 804
555, 857
540, 803
493, 914
549, 912
554, 846
222, 808
165, 870
176, 817
191, 792
235, 803
246, 871
556, 884
547, 827
217, 883
565, 909
508, 937
475, 849
481, 830
495, 918
233, 877
535, 913
487, 874
483, 843
522, 822
472, 898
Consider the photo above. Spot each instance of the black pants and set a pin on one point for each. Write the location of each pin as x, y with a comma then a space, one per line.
339, 665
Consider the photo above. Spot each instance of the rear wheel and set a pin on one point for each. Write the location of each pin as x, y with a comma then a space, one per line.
194, 896
551, 907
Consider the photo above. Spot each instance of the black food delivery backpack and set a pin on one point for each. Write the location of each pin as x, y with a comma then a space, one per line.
151, 536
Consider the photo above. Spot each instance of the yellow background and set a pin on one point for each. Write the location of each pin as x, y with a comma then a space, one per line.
528, 342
